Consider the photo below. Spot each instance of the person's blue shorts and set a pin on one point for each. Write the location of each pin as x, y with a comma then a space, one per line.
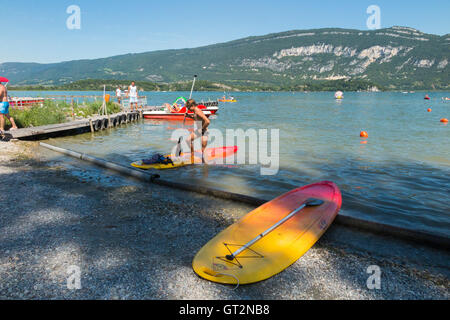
4, 107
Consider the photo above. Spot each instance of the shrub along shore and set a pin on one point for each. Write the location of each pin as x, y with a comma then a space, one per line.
54, 111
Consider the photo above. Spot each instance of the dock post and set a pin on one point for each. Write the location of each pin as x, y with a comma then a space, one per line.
90, 124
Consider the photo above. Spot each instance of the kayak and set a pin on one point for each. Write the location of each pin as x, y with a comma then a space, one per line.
212, 156
227, 100
284, 229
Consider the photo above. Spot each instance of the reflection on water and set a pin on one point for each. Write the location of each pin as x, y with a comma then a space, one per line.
399, 175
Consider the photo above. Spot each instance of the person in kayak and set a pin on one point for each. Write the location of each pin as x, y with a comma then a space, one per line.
202, 132
4, 109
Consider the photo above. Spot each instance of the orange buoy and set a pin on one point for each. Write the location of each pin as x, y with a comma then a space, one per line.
363, 134
444, 120
429, 109
107, 97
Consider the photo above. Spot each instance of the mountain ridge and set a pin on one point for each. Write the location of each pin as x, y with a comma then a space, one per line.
396, 58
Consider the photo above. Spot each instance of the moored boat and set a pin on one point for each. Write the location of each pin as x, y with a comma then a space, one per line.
339, 95
25, 101
166, 115
211, 106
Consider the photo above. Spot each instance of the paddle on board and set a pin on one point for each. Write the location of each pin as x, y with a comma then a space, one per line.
308, 203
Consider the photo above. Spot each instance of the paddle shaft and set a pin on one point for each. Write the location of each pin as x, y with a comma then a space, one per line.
184, 119
192, 89
308, 203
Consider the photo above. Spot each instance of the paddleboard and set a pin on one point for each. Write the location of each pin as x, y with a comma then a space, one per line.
278, 249
212, 156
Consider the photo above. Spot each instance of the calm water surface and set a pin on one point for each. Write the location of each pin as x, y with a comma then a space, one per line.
400, 176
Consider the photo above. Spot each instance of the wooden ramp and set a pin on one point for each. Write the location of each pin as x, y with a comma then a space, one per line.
92, 124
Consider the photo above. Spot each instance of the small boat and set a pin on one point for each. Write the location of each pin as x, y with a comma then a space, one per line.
176, 110
211, 106
225, 99
164, 114
339, 95
25, 101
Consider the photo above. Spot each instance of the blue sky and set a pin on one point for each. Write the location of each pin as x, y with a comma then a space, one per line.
35, 31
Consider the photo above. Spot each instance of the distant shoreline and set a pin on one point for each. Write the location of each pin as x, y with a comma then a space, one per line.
350, 85
12, 89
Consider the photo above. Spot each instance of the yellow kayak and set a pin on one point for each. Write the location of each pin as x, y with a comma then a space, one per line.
184, 159
159, 166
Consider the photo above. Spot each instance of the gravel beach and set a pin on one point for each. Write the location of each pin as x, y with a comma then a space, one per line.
131, 240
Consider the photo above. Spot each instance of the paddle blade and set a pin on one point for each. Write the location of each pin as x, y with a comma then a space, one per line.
178, 150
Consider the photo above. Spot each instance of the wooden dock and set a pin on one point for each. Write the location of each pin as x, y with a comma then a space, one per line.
96, 123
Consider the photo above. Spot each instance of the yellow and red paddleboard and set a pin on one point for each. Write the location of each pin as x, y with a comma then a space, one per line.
212, 155
278, 249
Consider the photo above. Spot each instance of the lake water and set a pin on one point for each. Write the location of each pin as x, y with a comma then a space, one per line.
399, 175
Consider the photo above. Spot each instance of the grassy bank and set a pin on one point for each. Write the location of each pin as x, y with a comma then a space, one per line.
52, 112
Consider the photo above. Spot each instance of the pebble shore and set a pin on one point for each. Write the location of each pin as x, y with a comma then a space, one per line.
137, 241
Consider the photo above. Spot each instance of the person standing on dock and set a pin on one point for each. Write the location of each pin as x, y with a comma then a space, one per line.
119, 94
199, 117
4, 109
133, 94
